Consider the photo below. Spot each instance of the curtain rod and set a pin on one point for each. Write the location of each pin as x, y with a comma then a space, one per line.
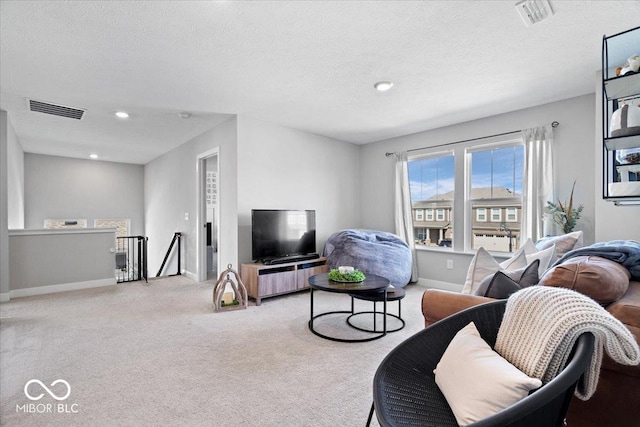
554, 124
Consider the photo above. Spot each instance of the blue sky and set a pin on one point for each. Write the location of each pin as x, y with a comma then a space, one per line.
431, 176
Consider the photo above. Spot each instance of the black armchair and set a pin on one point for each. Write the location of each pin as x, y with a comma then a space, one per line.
405, 392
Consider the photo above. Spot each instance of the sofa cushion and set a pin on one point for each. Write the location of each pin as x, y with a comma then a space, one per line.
627, 308
601, 279
438, 304
504, 283
564, 243
483, 265
546, 256
476, 381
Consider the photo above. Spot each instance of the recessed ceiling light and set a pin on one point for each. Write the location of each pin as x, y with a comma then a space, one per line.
93, 156
383, 86
184, 115
122, 114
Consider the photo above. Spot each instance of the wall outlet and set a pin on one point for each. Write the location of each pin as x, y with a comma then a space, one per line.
186, 216
449, 264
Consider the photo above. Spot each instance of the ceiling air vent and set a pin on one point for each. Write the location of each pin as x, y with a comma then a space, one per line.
533, 11
56, 110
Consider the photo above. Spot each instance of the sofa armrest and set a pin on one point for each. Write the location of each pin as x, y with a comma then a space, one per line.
627, 308
438, 304
627, 311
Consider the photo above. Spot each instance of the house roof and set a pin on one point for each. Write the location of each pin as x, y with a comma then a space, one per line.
305, 65
445, 199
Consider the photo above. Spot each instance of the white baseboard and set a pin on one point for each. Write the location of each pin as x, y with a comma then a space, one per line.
190, 275
50, 289
4, 297
436, 284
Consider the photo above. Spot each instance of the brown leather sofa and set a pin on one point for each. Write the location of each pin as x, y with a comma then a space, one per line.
617, 399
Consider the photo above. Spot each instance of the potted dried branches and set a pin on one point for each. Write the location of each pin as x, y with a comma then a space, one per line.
565, 216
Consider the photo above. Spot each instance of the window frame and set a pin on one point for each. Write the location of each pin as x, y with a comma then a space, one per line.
509, 141
429, 214
484, 212
507, 213
493, 211
80, 223
461, 212
126, 220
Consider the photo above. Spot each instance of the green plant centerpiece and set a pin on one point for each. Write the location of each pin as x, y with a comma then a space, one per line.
565, 216
351, 276
229, 304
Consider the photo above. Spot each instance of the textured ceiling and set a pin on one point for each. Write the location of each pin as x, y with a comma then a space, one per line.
309, 65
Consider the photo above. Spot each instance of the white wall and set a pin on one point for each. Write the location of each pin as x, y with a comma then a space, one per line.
573, 156
15, 179
11, 194
62, 187
170, 183
283, 168
4, 221
613, 222
44, 261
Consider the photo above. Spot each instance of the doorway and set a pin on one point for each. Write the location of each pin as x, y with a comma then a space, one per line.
208, 215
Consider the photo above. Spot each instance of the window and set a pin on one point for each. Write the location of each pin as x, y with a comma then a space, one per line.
419, 214
431, 180
121, 225
496, 181
65, 223
496, 214
122, 230
493, 177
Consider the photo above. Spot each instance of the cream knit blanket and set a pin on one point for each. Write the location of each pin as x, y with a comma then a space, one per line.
541, 325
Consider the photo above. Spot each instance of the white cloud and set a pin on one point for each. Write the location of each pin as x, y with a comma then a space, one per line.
424, 190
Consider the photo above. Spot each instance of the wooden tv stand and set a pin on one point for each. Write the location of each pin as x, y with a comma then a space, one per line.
263, 281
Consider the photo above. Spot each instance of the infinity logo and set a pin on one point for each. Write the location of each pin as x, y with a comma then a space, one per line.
52, 394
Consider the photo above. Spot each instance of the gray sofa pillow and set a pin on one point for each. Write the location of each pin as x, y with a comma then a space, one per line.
504, 283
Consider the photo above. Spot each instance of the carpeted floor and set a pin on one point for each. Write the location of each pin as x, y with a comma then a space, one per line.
156, 354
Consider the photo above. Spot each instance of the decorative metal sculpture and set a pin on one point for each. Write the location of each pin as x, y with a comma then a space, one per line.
240, 291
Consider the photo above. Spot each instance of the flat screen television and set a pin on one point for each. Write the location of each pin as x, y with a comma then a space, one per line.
282, 233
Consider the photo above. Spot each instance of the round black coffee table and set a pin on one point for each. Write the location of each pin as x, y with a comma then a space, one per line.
373, 283
393, 294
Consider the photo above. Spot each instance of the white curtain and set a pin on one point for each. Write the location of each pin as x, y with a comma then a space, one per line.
538, 183
403, 217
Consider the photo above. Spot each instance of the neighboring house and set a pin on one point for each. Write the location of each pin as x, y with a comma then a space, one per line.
496, 220
432, 220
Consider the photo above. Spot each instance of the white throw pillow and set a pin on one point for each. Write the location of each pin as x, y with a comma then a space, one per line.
483, 265
564, 243
528, 247
476, 381
546, 256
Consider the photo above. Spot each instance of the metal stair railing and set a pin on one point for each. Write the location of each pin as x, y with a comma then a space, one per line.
176, 237
131, 258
